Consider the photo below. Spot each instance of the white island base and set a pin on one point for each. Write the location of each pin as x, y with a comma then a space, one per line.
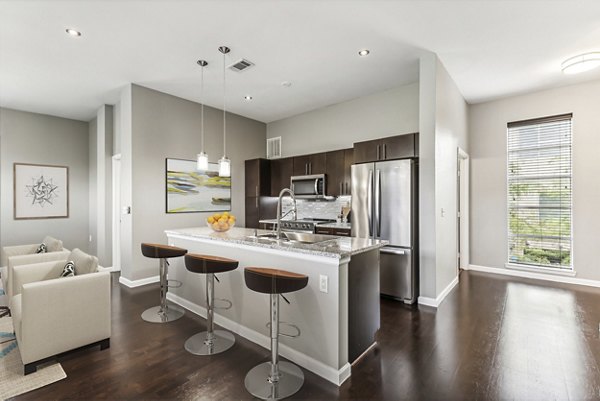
322, 316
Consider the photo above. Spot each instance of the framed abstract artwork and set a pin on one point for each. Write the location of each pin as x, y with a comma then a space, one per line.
190, 191
40, 191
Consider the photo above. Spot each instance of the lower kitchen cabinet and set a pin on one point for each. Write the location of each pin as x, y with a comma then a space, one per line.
338, 231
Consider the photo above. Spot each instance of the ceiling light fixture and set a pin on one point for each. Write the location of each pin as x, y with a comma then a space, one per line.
248, 98
202, 157
224, 162
73, 32
581, 63
364, 52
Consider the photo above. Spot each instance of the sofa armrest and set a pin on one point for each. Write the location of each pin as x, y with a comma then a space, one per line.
26, 274
71, 311
8, 251
29, 260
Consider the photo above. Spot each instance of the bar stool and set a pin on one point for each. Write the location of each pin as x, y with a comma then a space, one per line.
211, 341
163, 313
274, 380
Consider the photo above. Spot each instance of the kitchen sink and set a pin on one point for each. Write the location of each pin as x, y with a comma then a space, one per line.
291, 237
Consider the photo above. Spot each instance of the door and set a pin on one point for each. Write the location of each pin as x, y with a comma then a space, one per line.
116, 212
367, 151
335, 173
393, 202
281, 172
301, 165
398, 147
317, 163
396, 274
348, 161
362, 200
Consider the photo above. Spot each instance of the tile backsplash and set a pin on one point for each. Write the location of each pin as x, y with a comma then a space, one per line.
317, 209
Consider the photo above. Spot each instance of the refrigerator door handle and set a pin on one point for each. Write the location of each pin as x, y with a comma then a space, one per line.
378, 201
370, 202
393, 251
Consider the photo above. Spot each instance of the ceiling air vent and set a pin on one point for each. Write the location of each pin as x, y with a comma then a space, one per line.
241, 65
274, 148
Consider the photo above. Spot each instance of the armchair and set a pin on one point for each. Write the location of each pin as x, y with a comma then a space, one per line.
53, 315
18, 255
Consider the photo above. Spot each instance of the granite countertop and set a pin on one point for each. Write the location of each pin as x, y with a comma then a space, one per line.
337, 247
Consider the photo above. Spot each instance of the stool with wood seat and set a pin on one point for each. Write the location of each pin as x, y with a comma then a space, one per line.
274, 380
163, 313
211, 341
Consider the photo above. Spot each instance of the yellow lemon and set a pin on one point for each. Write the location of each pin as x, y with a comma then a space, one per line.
216, 216
210, 220
231, 221
225, 226
225, 213
215, 226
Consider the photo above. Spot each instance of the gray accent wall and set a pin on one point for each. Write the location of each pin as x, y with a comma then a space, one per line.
36, 138
388, 113
488, 171
165, 126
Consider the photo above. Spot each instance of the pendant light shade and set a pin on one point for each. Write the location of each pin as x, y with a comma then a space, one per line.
202, 157
224, 162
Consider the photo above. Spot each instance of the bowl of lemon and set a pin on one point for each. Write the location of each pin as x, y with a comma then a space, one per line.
221, 222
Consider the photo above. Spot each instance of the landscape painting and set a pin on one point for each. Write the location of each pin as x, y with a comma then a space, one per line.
40, 191
191, 191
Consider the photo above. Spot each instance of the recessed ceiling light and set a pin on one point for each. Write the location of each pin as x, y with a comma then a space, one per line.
287, 84
364, 52
248, 98
581, 63
73, 32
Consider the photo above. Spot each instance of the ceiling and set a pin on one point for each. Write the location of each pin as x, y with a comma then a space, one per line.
492, 49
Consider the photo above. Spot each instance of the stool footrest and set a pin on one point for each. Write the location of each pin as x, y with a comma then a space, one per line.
228, 303
176, 285
299, 332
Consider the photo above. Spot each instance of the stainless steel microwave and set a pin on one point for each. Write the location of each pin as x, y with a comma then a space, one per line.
309, 186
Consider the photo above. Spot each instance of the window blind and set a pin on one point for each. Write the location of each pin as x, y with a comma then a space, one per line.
540, 192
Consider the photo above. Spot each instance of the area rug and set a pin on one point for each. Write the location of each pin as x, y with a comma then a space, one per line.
12, 380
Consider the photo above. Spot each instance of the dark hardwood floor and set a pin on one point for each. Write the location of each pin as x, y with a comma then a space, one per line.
493, 338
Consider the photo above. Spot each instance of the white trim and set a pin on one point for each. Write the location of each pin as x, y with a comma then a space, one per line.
440, 298
108, 269
337, 377
138, 283
116, 212
536, 275
541, 269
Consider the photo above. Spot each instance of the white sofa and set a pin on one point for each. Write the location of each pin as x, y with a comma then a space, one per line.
53, 315
18, 255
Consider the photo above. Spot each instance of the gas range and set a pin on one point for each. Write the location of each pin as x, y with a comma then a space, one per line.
303, 225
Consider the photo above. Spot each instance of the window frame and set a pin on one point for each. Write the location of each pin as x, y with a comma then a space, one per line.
531, 267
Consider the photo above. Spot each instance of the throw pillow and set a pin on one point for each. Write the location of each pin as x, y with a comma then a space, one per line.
68, 270
42, 248
84, 263
52, 244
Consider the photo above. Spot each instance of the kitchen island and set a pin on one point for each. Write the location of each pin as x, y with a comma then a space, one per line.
337, 313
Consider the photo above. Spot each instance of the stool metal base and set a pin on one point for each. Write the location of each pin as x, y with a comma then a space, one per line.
198, 345
258, 384
154, 314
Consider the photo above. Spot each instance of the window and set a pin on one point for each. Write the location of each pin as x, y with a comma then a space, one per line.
539, 192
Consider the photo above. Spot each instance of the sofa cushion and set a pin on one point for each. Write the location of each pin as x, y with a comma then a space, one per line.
52, 244
84, 263
68, 270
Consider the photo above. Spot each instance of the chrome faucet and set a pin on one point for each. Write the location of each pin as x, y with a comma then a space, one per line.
279, 216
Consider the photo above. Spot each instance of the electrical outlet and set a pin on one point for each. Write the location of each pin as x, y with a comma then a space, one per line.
323, 283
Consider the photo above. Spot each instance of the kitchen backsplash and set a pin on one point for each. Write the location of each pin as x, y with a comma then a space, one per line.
317, 209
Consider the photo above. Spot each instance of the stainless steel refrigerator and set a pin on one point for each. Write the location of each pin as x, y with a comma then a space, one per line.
385, 206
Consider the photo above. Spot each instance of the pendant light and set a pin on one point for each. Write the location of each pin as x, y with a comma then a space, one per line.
224, 162
202, 157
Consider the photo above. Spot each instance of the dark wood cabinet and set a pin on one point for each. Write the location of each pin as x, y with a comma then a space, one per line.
348, 161
259, 208
281, 173
337, 231
310, 164
394, 147
335, 173
257, 177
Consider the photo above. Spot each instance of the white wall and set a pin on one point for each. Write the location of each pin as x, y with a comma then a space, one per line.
164, 126
36, 138
338, 126
443, 128
487, 127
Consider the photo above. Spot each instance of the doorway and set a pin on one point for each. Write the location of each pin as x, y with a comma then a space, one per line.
462, 216
116, 212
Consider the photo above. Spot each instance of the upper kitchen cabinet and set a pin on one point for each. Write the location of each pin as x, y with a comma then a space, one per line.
310, 164
281, 174
394, 147
338, 172
258, 177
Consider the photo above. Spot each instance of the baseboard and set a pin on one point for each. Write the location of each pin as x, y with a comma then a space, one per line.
138, 283
435, 302
109, 269
536, 276
337, 377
